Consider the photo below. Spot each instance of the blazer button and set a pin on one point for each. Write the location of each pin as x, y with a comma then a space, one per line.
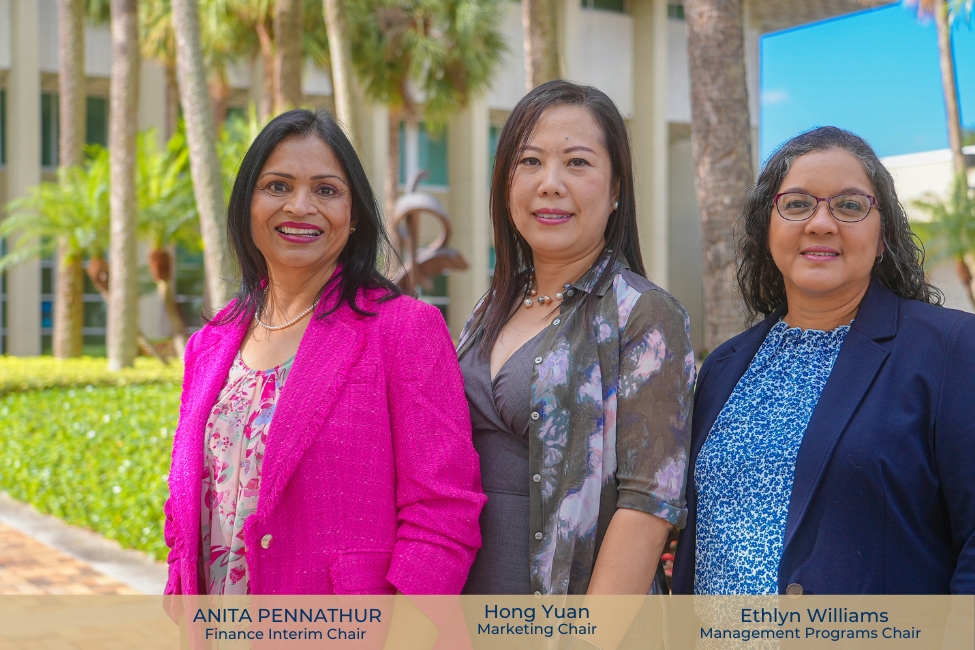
266, 540
795, 589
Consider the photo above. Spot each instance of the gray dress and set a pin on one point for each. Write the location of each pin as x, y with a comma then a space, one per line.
500, 417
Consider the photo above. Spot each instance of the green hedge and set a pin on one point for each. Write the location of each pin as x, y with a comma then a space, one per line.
95, 455
38, 373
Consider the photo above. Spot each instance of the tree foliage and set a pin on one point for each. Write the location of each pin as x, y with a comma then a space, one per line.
437, 53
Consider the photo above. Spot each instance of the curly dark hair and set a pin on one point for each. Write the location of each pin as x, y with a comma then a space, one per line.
901, 268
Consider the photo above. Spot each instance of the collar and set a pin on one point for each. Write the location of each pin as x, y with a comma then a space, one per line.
589, 282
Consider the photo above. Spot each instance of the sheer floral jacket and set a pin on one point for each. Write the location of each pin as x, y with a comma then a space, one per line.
610, 412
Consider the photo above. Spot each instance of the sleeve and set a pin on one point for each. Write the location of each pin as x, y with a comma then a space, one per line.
955, 450
170, 531
656, 387
438, 481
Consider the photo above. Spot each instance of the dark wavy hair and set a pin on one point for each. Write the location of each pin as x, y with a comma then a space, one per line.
901, 269
513, 254
366, 246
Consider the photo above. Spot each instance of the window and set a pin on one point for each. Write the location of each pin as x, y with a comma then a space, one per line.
422, 149
96, 121
494, 132
675, 11
606, 5
49, 130
3, 127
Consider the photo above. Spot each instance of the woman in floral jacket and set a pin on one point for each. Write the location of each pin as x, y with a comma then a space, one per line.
578, 370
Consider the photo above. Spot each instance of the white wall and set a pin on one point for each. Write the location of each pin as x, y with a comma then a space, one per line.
597, 48
916, 176
679, 77
5, 34
98, 42
508, 85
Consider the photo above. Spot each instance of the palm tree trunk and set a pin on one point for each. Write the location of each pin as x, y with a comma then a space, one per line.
123, 305
288, 59
204, 163
69, 281
268, 77
949, 85
392, 166
161, 268
69, 305
541, 49
965, 276
219, 91
343, 79
721, 143
97, 270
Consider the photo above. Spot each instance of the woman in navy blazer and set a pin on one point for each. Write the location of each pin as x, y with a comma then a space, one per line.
880, 496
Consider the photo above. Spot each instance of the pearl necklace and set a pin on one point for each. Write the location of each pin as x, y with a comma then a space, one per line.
291, 322
541, 300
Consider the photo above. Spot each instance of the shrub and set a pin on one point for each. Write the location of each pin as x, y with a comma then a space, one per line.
38, 373
95, 449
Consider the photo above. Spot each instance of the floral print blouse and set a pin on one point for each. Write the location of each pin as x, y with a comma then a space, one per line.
745, 469
609, 411
234, 448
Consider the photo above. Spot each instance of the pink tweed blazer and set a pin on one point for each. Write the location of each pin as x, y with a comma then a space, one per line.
370, 482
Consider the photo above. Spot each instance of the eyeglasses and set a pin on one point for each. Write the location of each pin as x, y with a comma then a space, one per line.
848, 208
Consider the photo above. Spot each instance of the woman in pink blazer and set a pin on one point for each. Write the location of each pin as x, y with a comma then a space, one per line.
345, 467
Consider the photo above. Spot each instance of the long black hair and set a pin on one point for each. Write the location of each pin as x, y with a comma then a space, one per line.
901, 268
361, 256
512, 253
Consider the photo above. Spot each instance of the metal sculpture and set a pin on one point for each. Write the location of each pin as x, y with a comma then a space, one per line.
422, 265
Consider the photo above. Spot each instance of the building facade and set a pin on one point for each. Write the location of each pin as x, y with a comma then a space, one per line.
634, 50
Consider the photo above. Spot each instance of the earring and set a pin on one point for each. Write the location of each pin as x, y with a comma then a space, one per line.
880, 259
616, 205
351, 230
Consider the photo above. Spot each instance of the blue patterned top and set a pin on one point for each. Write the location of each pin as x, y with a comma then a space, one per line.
744, 471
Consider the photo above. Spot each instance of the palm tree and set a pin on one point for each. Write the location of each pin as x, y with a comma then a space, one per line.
287, 57
219, 40
123, 305
434, 53
721, 144
950, 235
167, 218
343, 79
74, 212
541, 42
204, 163
944, 12
69, 283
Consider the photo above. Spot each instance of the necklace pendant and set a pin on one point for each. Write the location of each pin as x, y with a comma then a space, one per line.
528, 302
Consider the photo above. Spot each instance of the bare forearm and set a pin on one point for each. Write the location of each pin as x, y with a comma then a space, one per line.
629, 553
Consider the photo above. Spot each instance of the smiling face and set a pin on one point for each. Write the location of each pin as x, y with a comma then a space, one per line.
562, 191
301, 208
822, 259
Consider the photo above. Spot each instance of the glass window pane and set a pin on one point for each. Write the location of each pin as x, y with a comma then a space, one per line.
605, 5
433, 156
3, 127
96, 121
96, 314
49, 130
675, 11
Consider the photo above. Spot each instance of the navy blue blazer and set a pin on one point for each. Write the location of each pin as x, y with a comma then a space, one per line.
883, 500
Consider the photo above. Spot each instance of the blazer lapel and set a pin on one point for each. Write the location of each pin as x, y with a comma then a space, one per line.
722, 378
856, 367
211, 363
328, 349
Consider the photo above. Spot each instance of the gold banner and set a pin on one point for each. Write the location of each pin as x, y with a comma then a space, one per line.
487, 622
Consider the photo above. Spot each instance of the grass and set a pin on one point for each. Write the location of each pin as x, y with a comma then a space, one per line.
91, 447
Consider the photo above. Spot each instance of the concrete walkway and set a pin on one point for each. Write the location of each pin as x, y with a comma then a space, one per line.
40, 554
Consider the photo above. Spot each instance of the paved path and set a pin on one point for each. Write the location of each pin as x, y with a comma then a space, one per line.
42, 555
